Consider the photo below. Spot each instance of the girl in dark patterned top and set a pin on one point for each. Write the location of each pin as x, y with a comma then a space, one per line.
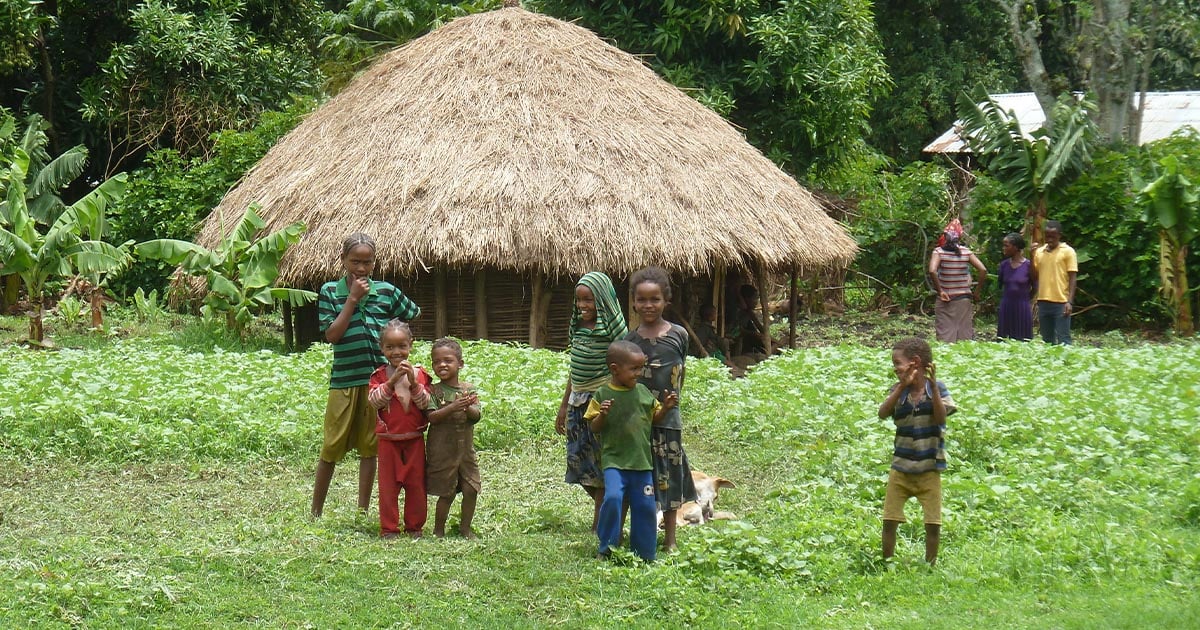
665, 346
596, 321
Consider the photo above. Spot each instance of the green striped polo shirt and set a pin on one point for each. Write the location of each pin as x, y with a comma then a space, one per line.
358, 353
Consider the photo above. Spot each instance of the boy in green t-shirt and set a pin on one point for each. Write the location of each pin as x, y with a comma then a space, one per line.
621, 413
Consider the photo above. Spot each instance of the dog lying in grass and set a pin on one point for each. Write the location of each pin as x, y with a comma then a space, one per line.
701, 510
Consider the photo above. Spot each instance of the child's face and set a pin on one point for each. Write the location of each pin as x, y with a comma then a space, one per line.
903, 364
649, 302
359, 262
626, 372
395, 345
585, 301
446, 363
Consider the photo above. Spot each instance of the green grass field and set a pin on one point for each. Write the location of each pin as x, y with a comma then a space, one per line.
154, 481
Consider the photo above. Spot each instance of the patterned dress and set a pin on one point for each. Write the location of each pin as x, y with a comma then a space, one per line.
664, 373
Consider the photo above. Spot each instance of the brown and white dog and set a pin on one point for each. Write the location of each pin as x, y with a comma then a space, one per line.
701, 510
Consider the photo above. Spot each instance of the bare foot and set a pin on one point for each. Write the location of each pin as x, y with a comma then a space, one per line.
389, 535
670, 548
439, 533
467, 533
414, 535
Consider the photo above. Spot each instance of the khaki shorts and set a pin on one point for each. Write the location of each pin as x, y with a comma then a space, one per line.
926, 486
349, 424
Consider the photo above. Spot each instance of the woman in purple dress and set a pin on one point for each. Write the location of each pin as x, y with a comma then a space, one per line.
1017, 282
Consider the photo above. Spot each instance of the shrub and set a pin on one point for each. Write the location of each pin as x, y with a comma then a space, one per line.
897, 226
1118, 252
168, 198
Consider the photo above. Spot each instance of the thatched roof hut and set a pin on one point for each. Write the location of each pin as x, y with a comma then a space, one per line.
507, 151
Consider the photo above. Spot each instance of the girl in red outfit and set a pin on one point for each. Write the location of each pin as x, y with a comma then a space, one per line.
400, 391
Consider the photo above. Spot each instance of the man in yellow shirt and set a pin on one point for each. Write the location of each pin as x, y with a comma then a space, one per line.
1056, 267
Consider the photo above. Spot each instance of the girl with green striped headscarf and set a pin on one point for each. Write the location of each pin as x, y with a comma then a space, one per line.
596, 321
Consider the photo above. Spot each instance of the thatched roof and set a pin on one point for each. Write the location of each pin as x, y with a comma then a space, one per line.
514, 140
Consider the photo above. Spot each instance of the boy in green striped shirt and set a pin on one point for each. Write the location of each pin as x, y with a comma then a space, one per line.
352, 311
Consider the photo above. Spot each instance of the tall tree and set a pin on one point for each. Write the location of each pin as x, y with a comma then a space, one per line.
935, 49
1107, 47
800, 76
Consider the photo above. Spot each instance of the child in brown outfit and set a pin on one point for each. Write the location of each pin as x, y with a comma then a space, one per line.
451, 466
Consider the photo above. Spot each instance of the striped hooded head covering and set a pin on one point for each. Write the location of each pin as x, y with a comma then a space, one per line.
589, 345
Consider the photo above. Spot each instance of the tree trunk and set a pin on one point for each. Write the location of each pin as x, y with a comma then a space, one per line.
1184, 326
97, 302
1025, 36
12, 290
37, 335
1035, 222
1112, 70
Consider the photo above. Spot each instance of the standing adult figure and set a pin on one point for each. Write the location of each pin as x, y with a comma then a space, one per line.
1056, 266
1018, 281
596, 321
950, 270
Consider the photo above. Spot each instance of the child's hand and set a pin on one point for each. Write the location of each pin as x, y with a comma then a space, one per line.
395, 377
931, 372
605, 406
671, 400
910, 375
359, 287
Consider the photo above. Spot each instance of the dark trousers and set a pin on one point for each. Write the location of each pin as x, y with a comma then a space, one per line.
1054, 326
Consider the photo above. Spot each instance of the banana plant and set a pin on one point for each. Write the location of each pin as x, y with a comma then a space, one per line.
68, 246
240, 272
1170, 204
1036, 166
44, 176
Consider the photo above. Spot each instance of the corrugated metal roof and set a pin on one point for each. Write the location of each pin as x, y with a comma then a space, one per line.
1166, 112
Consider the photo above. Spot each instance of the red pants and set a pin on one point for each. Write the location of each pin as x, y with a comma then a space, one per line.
402, 465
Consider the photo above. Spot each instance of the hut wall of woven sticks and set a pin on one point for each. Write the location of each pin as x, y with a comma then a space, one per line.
503, 155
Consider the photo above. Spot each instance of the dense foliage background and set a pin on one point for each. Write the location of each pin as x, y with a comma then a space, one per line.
187, 94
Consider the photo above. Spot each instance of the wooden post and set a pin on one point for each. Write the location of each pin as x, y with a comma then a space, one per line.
441, 319
535, 319
719, 297
544, 312
764, 302
792, 307
289, 335
481, 305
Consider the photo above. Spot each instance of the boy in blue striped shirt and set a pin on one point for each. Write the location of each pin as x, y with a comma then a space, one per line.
918, 403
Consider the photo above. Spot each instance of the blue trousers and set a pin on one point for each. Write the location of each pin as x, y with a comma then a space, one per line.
1054, 326
636, 487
